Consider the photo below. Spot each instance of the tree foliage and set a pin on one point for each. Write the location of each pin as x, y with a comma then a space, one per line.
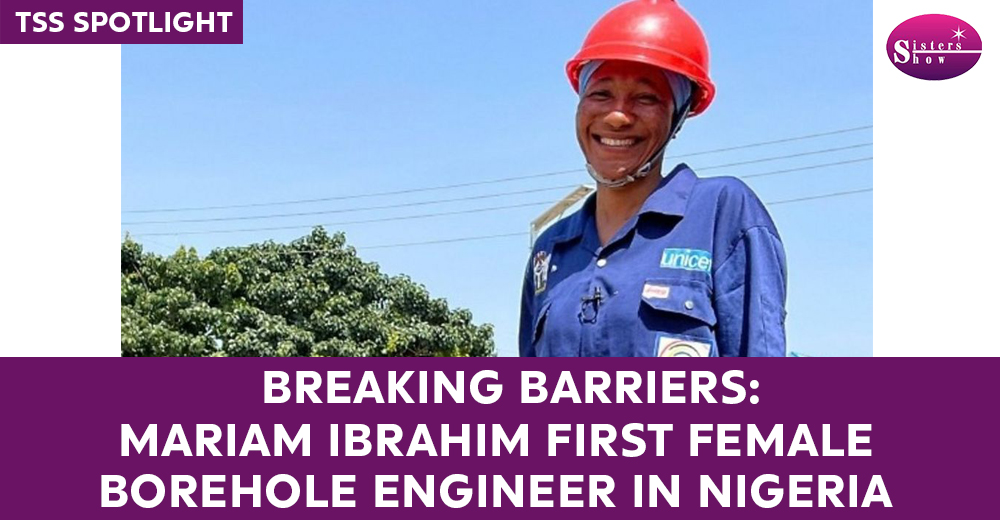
313, 297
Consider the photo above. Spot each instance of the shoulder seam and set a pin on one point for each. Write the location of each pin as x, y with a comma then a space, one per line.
743, 234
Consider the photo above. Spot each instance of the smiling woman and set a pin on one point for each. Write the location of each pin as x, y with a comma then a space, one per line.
654, 264
625, 114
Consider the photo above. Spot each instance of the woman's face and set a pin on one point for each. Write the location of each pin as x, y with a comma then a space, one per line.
623, 117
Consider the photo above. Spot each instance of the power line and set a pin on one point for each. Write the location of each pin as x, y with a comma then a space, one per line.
818, 197
789, 156
778, 141
350, 210
447, 241
473, 183
424, 243
487, 196
523, 234
447, 213
360, 195
804, 168
331, 224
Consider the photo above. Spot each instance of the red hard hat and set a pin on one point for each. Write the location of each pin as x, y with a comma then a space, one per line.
655, 32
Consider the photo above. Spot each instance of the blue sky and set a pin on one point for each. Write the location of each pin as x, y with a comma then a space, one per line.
335, 98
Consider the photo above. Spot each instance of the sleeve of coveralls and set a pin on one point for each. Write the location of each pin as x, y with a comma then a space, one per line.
750, 297
527, 327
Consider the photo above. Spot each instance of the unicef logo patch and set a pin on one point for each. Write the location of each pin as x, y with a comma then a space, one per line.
687, 259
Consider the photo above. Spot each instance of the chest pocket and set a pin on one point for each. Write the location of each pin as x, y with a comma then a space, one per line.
556, 331
547, 337
539, 326
678, 311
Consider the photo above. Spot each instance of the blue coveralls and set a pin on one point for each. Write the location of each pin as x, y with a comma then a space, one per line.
699, 271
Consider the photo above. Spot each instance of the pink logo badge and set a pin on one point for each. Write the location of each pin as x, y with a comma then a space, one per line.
934, 47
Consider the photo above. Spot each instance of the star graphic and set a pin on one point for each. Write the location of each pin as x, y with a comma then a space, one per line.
959, 34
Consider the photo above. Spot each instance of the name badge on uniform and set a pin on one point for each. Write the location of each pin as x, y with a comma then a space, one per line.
687, 259
667, 346
541, 271
655, 291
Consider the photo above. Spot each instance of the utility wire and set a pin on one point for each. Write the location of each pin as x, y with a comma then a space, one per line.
523, 234
804, 168
778, 157
818, 197
487, 196
360, 195
350, 210
446, 241
475, 183
447, 213
475, 210
331, 224
778, 141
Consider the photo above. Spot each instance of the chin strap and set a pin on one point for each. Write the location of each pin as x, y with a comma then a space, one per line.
648, 166
628, 179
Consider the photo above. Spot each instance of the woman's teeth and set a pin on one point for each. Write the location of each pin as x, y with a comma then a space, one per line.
620, 143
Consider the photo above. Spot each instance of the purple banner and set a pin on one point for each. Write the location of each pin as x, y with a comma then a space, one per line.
916, 434
121, 21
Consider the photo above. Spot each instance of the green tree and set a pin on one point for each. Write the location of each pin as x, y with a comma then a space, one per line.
313, 297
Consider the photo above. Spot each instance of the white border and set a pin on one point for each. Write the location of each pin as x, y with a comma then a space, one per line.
60, 199
935, 280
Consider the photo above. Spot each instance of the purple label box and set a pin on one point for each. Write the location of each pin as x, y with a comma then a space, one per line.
922, 428
121, 21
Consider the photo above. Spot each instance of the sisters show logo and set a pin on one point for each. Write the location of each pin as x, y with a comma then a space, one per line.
934, 46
